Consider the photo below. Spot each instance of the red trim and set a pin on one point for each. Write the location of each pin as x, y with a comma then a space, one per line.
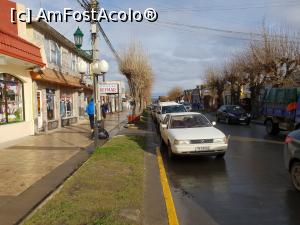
19, 48
5, 23
292, 106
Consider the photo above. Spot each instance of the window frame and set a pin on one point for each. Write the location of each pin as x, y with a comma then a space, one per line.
55, 53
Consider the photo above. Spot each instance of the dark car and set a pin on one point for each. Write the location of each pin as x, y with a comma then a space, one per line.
292, 157
233, 114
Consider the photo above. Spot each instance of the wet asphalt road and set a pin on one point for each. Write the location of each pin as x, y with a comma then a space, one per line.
249, 186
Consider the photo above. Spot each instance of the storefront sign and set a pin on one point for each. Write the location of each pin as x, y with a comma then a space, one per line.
109, 88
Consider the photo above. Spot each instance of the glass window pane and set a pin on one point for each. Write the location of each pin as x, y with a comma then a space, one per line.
66, 105
11, 99
14, 102
50, 106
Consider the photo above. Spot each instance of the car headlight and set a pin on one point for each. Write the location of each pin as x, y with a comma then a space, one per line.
221, 140
181, 142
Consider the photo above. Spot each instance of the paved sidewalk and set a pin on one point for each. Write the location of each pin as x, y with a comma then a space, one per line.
35, 166
155, 211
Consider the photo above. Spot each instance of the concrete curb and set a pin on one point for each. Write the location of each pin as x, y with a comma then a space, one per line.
171, 210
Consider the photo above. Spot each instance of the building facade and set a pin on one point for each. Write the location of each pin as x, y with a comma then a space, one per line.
41, 88
61, 93
17, 58
115, 101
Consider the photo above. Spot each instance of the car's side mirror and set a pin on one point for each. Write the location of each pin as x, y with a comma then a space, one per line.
214, 123
164, 126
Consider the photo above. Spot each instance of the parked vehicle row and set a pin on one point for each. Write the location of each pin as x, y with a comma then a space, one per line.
191, 133
168, 107
187, 133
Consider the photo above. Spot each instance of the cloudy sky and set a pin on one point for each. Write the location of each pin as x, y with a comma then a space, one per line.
180, 54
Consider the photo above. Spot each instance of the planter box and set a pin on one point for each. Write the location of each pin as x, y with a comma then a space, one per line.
133, 118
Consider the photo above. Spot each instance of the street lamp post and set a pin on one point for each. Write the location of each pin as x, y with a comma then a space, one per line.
82, 68
78, 37
98, 68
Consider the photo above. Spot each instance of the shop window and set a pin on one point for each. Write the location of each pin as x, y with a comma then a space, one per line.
11, 99
66, 105
50, 95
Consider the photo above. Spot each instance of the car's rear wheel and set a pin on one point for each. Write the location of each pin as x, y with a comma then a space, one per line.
295, 175
170, 153
272, 128
220, 156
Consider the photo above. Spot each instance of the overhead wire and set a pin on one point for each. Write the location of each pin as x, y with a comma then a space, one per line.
86, 6
197, 27
190, 28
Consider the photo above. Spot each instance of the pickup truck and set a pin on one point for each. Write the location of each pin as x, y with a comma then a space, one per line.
281, 109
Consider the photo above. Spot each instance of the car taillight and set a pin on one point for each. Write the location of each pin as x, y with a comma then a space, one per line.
288, 139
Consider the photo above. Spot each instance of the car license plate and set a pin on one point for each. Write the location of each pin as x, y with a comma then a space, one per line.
202, 148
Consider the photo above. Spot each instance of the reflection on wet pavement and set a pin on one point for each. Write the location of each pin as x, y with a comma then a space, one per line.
249, 186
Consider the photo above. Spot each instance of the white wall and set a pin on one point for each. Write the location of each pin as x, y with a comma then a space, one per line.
14, 131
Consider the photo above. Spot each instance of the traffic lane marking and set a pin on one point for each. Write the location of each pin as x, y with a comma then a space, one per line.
171, 211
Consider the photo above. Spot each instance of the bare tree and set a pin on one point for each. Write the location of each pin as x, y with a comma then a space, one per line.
135, 66
175, 93
163, 98
272, 60
214, 79
235, 77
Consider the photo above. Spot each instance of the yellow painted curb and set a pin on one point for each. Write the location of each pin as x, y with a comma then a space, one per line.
171, 211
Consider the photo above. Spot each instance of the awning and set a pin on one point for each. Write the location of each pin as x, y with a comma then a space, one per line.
16, 47
55, 77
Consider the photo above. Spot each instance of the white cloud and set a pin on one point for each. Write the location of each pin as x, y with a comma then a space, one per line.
179, 56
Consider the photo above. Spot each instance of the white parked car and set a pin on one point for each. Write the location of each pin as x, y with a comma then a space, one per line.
192, 133
168, 107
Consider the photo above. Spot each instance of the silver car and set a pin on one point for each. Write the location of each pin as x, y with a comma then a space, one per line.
292, 157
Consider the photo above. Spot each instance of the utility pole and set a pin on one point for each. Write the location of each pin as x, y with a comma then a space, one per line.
97, 115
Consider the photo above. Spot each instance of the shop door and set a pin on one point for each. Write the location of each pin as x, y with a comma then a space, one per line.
39, 109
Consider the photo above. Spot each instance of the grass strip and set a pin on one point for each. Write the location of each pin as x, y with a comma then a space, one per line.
107, 189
